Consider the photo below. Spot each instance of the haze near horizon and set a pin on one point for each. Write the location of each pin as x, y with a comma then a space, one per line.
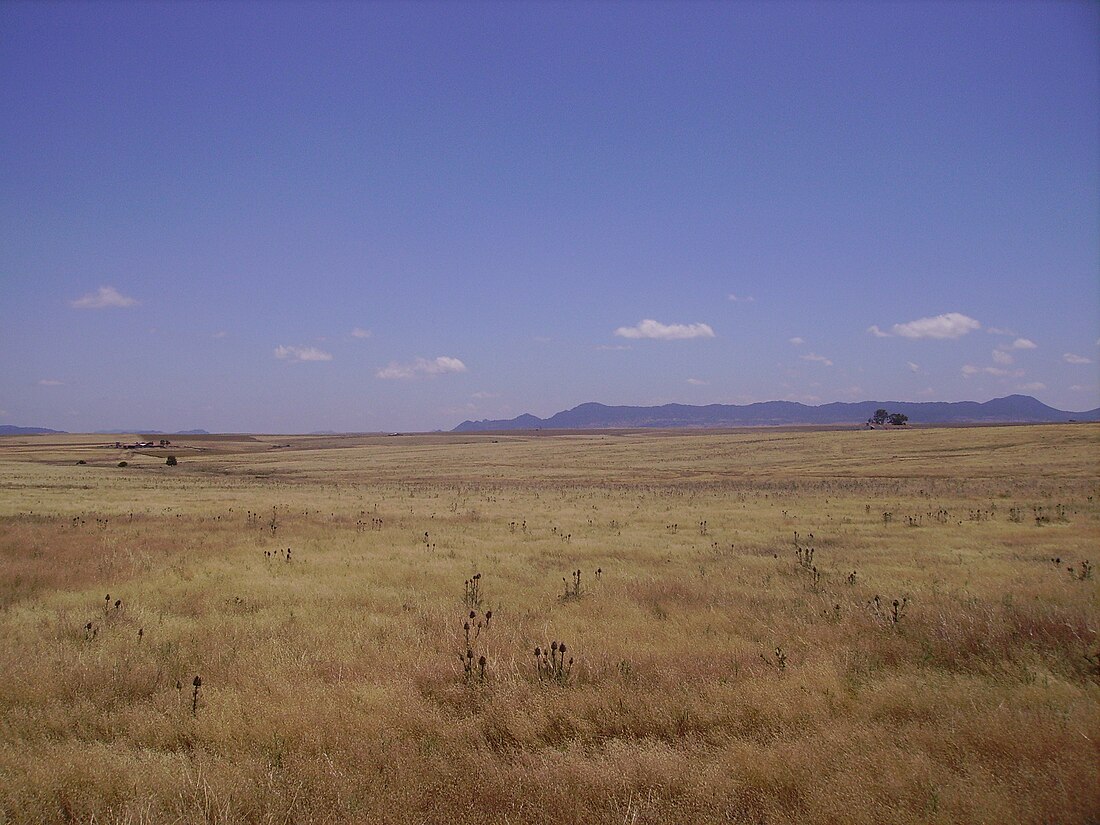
360, 217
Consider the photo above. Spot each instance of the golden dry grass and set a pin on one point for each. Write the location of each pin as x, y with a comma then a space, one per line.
333, 687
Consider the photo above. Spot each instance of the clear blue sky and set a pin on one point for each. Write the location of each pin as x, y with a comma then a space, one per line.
288, 217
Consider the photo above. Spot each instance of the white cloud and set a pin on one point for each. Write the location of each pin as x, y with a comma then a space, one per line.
1070, 358
422, 367
1078, 387
665, 332
359, 332
696, 382
105, 297
1034, 386
797, 341
219, 334
949, 325
912, 367
1002, 357
820, 359
741, 299
878, 333
970, 370
298, 354
1024, 343
49, 382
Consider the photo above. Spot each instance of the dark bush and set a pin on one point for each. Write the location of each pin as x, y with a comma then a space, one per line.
82, 461
123, 464
171, 462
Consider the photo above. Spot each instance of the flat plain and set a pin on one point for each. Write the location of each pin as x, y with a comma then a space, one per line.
759, 626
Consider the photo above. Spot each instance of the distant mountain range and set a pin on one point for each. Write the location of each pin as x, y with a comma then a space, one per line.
8, 429
1012, 409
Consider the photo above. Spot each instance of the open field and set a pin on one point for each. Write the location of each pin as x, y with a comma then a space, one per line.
937, 659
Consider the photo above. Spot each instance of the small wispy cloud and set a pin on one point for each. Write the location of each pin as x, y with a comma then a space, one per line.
1071, 358
969, 370
796, 341
1023, 343
50, 382
220, 334
912, 367
947, 326
300, 354
819, 359
421, 368
878, 333
741, 299
1034, 386
613, 347
665, 332
1003, 358
481, 396
697, 382
106, 297
999, 331
359, 332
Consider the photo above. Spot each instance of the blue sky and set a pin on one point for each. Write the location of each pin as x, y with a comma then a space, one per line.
284, 217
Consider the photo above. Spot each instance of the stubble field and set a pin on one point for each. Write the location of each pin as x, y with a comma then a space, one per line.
768, 627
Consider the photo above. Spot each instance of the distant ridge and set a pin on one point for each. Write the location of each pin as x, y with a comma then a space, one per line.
9, 429
1012, 409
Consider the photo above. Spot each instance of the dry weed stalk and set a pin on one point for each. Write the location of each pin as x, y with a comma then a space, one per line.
550, 664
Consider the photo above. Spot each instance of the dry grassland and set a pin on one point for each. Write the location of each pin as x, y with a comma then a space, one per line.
719, 672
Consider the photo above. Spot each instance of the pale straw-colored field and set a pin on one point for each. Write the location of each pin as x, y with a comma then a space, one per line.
934, 660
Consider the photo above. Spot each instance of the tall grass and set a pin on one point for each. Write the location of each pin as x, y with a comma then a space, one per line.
716, 675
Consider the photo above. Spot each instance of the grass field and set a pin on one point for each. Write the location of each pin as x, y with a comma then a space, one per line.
935, 659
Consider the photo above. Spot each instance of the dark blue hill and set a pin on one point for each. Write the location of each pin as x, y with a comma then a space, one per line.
1012, 409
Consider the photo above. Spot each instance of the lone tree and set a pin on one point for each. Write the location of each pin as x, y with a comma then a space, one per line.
898, 419
880, 417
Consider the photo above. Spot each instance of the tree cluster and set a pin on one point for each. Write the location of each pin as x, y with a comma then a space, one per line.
881, 416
